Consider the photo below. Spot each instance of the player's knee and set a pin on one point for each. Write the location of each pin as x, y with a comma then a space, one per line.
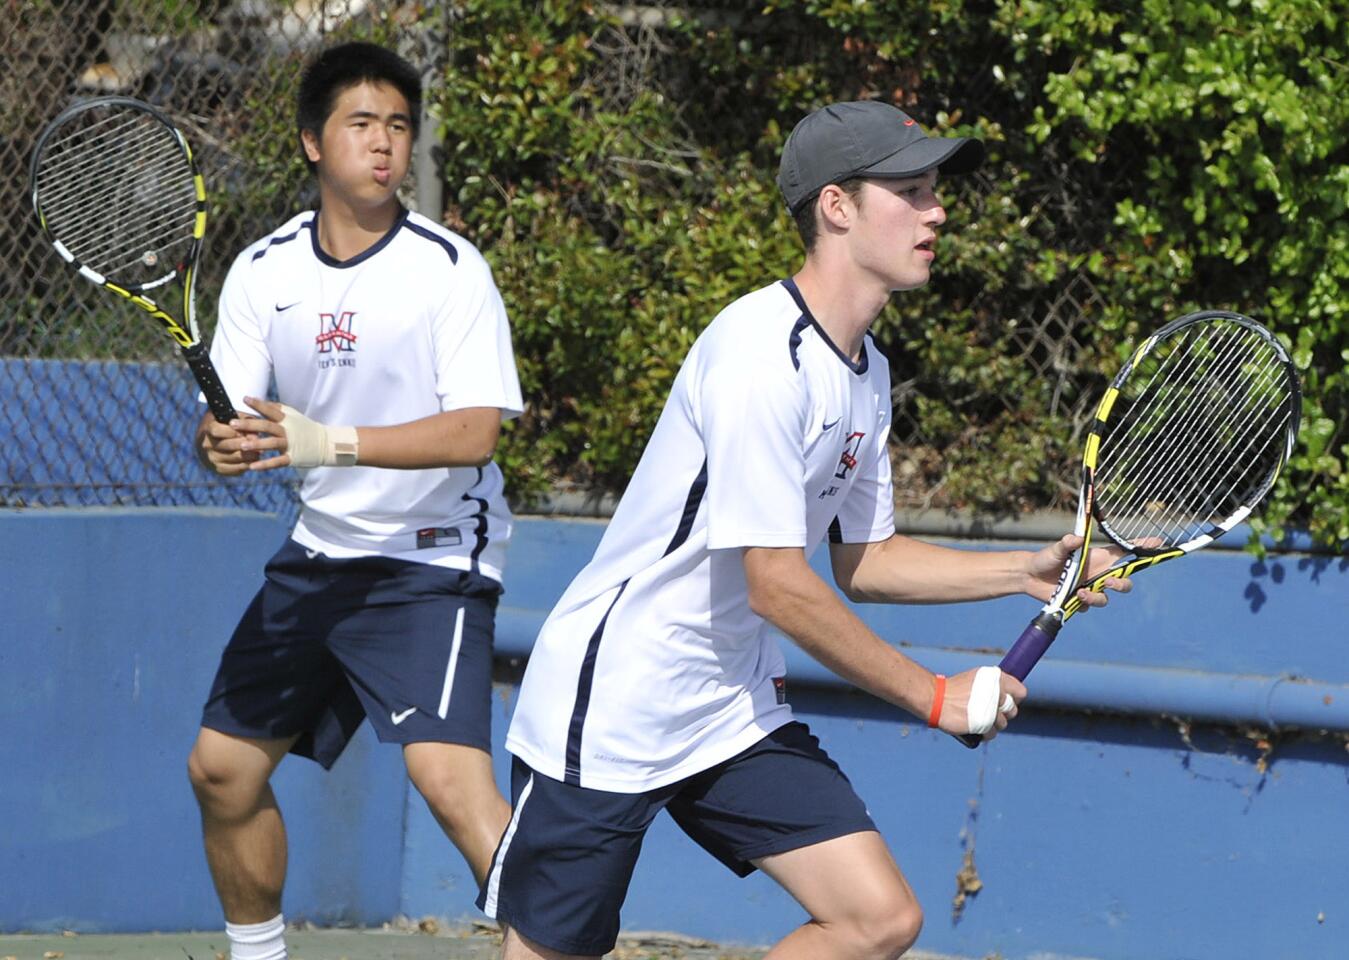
209, 779
219, 784
201, 773
887, 932
456, 782
906, 926
447, 795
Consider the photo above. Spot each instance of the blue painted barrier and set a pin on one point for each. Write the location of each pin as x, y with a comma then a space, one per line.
1101, 827
114, 620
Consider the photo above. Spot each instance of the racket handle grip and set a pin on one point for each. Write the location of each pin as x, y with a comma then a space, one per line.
199, 362
1031, 646
1023, 656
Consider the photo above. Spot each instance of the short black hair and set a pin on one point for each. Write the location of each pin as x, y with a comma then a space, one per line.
806, 222
346, 65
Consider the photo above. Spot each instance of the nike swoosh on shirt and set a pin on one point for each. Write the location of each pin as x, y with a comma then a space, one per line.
281, 309
830, 426
398, 718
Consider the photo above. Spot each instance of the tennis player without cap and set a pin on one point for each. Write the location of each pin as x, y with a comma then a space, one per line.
654, 683
392, 358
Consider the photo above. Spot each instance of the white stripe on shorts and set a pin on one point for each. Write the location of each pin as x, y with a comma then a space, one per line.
454, 662
489, 902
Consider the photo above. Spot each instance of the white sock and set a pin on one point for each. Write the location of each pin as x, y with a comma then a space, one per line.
257, 941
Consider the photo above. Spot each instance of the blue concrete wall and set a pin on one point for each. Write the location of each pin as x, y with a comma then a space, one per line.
113, 627
1103, 835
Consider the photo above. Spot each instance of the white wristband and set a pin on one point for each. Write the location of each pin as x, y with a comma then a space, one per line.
312, 444
985, 693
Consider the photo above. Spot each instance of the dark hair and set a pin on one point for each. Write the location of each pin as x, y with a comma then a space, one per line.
346, 65
806, 223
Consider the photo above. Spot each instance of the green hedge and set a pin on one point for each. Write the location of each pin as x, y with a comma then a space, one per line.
1147, 159
1241, 110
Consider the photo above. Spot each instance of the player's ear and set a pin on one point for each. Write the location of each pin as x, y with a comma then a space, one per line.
310, 141
834, 206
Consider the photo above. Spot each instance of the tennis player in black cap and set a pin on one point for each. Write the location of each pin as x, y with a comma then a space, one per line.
656, 684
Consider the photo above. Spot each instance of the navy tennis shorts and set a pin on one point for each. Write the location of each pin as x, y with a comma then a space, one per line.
561, 871
328, 642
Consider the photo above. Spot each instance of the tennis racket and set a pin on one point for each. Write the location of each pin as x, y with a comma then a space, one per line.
1186, 442
117, 193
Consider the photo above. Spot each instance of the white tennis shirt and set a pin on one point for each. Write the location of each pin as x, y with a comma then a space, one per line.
409, 328
652, 667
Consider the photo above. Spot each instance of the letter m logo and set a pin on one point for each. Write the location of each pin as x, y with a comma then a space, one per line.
335, 332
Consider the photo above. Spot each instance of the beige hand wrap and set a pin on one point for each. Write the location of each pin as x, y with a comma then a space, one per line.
312, 444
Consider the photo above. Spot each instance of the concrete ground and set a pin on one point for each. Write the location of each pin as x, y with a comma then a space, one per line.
403, 940
424, 940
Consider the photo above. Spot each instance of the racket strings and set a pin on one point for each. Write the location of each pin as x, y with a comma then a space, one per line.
110, 146
1202, 479
1145, 414
92, 134
110, 234
1224, 409
1261, 456
1168, 368
1150, 412
86, 170
1178, 496
1201, 437
147, 211
1179, 520
118, 193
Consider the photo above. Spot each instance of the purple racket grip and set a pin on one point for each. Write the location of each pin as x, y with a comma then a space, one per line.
1024, 655
1031, 646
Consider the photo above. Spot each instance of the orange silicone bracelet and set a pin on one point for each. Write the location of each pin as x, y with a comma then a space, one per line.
938, 697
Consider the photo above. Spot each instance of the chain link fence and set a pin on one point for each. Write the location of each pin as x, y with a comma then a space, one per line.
95, 406
1050, 332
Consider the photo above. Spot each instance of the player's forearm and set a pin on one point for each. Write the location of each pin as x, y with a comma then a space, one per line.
459, 438
904, 570
788, 594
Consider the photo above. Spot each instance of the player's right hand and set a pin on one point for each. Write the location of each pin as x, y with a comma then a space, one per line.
220, 447
971, 700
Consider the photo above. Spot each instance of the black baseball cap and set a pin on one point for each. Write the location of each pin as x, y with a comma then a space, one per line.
865, 138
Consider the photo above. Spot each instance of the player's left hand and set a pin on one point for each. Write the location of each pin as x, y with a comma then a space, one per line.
264, 435
295, 439
1045, 566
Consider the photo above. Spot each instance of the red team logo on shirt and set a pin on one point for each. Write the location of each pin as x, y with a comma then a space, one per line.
335, 336
335, 332
848, 462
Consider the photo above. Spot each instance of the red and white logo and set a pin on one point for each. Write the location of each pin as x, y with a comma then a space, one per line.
847, 463
335, 332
